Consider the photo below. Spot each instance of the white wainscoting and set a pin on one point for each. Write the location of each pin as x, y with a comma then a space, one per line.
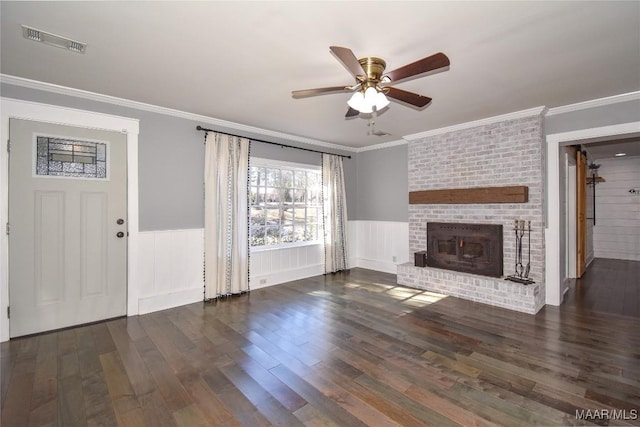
617, 230
590, 248
170, 266
372, 245
379, 245
170, 263
271, 267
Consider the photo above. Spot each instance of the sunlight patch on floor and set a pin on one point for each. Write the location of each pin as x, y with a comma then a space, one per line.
428, 297
374, 287
414, 297
402, 293
320, 293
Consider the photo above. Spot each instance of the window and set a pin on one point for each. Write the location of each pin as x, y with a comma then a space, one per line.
70, 158
284, 202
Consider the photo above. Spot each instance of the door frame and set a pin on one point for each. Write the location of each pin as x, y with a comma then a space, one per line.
571, 219
581, 213
17, 109
555, 243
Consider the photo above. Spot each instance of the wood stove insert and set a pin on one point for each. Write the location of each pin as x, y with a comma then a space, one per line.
469, 248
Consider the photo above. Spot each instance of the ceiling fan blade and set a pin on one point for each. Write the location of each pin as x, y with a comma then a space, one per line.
423, 65
319, 91
352, 112
408, 97
348, 59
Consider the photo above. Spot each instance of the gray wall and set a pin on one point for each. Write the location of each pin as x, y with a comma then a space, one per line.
606, 115
171, 160
382, 189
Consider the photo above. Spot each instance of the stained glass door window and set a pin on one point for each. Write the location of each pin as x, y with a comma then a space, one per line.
71, 158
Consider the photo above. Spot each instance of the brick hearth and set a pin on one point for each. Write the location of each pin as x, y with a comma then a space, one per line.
487, 290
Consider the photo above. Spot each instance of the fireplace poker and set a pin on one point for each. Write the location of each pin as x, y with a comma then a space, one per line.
519, 235
528, 268
517, 223
522, 273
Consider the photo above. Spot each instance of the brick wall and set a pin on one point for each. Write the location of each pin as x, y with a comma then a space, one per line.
509, 152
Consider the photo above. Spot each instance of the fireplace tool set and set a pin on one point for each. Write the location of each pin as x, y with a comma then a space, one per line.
521, 271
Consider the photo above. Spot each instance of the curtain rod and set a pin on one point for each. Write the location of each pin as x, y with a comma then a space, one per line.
272, 143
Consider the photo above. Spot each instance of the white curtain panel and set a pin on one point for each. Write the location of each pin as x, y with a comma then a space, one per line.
334, 214
226, 234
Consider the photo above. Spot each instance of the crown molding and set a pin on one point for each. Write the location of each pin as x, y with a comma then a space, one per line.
92, 96
616, 99
594, 134
537, 111
381, 145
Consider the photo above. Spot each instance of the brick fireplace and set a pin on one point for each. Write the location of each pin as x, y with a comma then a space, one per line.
504, 152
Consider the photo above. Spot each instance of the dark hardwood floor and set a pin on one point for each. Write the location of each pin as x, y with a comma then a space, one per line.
608, 286
350, 349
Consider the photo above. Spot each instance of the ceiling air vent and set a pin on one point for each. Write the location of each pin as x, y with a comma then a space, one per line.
53, 39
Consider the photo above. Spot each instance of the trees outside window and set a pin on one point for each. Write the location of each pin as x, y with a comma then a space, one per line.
285, 205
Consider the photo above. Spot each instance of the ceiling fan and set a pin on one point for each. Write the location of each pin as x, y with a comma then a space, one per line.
373, 85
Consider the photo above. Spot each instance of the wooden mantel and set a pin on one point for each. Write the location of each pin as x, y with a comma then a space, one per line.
511, 194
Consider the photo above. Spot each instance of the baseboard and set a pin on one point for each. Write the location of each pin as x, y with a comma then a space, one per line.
566, 283
170, 300
371, 264
588, 261
283, 276
266, 280
618, 255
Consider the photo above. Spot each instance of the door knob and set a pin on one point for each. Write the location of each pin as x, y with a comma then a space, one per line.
120, 234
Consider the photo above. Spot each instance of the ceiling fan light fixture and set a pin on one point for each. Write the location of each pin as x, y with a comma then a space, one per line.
370, 95
356, 101
366, 108
365, 102
381, 101
369, 100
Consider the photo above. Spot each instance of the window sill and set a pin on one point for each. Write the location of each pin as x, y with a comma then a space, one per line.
284, 246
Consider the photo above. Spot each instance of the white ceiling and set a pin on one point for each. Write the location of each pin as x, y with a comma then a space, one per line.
239, 61
608, 149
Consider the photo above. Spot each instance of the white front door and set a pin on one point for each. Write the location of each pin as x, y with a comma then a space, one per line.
67, 226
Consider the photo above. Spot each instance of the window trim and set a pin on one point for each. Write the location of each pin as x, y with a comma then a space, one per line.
274, 163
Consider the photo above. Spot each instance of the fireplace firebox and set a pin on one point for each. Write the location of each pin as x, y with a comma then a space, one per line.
469, 248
